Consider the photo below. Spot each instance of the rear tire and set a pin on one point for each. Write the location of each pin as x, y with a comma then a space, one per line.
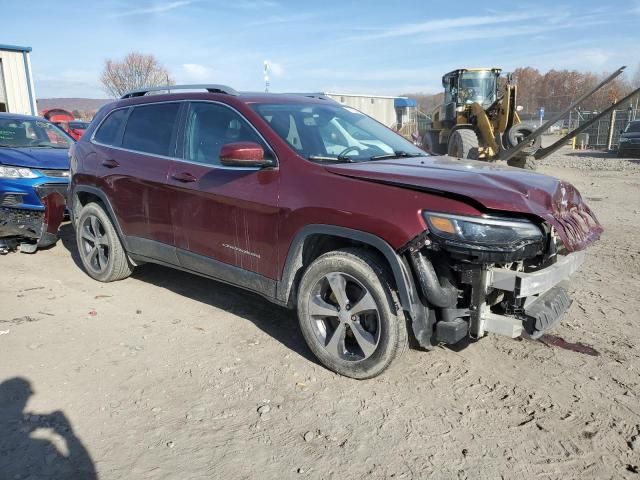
349, 315
463, 143
101, 252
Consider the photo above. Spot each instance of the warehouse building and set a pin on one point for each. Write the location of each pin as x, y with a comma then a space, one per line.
398, 113
16, 81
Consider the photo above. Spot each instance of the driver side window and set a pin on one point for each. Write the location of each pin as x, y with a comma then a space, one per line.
210, 126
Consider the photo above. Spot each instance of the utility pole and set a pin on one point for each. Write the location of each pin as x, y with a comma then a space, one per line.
612, 123
267, 69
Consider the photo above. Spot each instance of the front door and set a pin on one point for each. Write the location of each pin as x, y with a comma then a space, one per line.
225, 218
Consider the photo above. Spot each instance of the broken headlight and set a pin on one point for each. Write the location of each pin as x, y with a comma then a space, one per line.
483, 232
16, 172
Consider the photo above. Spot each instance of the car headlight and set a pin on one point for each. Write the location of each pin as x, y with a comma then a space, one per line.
484, 232
16, 172
623, 139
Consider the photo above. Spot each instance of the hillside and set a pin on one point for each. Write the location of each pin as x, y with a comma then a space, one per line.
70, 104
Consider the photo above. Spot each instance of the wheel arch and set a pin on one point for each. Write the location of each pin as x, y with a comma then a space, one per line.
314, 240
84, 194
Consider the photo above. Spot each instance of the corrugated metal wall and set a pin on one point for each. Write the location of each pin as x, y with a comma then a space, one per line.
16, 82
380, 108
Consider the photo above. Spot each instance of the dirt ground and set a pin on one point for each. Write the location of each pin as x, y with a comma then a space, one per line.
167, 375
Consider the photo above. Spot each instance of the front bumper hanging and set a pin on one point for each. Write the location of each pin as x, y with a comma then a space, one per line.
546, 299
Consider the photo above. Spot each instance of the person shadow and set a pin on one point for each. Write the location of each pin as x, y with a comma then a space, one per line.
38, 446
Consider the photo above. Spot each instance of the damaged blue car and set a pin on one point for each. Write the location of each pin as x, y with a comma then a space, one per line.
34, 176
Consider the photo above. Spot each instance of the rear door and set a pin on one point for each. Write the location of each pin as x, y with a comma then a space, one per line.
224, 214
133, 173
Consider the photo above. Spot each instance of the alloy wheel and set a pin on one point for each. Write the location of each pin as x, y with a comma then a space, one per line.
94, 246
344, 317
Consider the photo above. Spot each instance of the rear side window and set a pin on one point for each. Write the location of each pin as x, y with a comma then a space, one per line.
108, 131
150, 128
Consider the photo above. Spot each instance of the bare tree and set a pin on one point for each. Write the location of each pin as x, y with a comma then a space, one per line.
136, 70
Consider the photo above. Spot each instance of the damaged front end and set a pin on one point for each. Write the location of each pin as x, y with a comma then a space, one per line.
499, 274
30, 229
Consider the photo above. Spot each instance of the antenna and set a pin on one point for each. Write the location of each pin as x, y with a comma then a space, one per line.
267, 69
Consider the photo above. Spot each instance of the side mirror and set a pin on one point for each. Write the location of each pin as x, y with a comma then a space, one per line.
243, 154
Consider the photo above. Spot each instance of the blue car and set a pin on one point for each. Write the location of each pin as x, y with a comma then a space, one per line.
34, 176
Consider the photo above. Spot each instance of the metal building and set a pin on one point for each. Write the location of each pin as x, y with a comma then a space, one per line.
398, 113
16, 81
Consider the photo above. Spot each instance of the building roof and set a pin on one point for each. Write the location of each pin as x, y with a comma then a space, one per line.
14, 48
405, 102
360, 95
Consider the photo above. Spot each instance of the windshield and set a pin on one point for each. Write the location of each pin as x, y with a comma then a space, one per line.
632, 127
18, 133
477, 87
327, 133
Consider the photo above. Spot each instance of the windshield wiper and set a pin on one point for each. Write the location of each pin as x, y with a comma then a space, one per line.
398, 154
338, 159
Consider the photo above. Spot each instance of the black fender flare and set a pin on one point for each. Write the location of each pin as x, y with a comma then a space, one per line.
407, 292
105, 200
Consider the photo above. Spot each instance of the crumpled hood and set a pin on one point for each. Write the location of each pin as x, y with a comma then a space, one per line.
493, 186
53, 158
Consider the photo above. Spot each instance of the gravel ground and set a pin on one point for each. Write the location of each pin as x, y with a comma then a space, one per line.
167, 375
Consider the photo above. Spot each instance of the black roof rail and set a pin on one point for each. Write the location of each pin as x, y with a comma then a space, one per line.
211, 88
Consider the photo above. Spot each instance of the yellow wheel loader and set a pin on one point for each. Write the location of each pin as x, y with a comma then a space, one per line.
479, 119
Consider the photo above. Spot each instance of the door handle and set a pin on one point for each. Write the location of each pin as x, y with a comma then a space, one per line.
110, 163
184, 177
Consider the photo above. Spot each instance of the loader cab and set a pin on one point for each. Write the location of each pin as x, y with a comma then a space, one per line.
466, 86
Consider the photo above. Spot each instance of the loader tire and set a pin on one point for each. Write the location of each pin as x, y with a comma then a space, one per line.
431, 143
519, 132
463, 143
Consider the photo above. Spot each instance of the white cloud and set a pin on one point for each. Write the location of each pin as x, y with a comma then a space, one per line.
157, 8
278, 19
255, 4
449, 24
69, 83
194, 72
276, 68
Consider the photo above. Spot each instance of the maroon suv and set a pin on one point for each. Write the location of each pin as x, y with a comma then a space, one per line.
318, 207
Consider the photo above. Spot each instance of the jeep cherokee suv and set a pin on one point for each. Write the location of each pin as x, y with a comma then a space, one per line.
318, 207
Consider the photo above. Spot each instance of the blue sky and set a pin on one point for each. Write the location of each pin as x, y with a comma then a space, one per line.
377, 47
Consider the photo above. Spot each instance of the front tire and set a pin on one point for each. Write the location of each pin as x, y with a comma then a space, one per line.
431, 142
348, 314
101, 252
463, 143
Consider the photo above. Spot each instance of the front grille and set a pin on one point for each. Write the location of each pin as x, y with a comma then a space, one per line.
55, 173
11, 199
